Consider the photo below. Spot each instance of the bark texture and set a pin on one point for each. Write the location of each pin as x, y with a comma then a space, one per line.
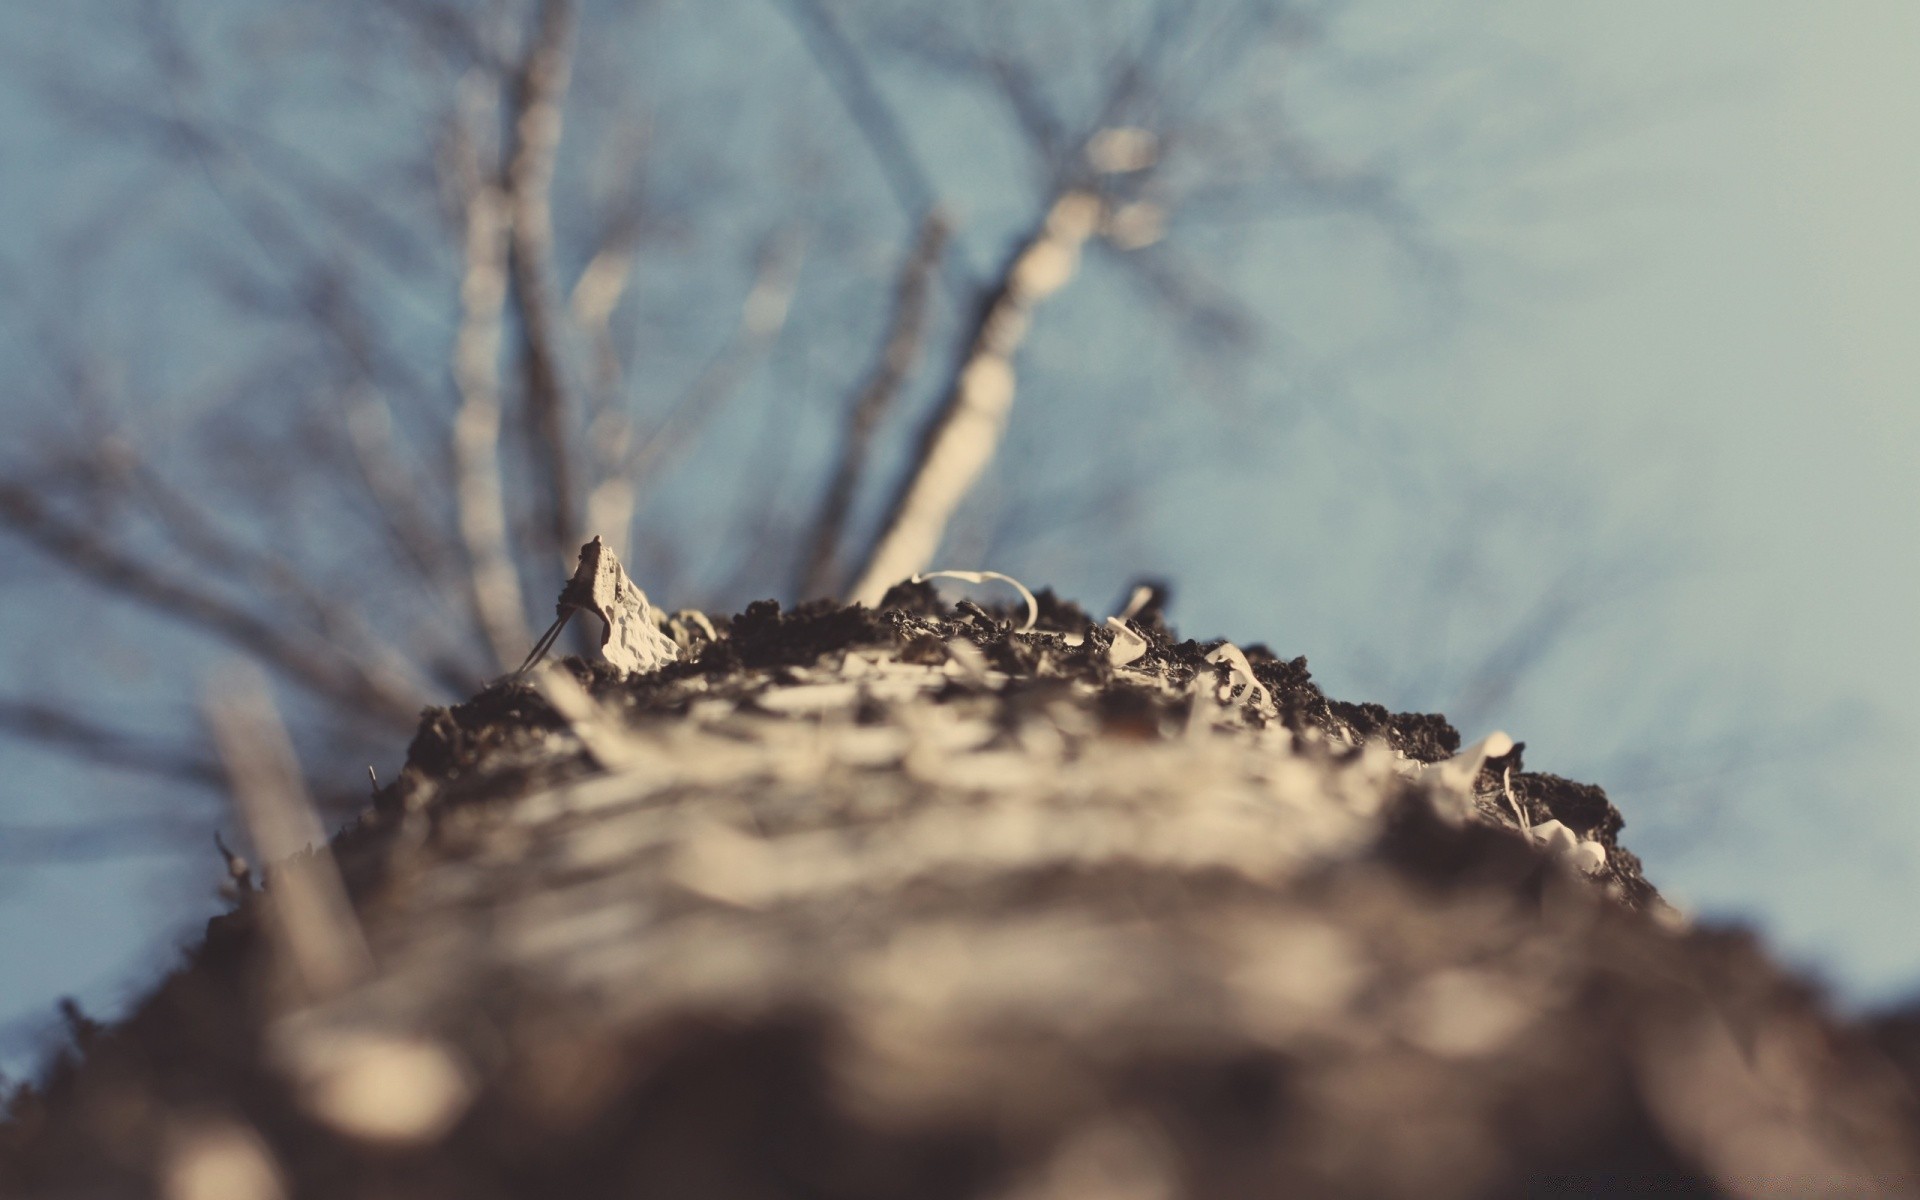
907, 903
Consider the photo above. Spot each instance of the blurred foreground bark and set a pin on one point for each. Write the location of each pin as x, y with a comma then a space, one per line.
911, 903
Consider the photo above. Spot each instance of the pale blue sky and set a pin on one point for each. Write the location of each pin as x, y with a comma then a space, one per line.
1739, 355
1765, 328
1706, 340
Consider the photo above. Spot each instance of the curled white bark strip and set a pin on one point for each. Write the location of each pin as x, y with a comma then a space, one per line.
1241, 672
1033, 604
1568, 847
1128, 646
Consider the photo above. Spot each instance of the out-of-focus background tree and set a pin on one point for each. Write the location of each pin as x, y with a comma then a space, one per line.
1456, 350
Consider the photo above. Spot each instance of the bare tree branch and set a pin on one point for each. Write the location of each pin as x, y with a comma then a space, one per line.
852, 81
289, 188
329, 671
96, 839
494, 582
539, 97
889, 372
763, 314
596, 294
413, 537
108, 473
444, 27
1211, 318
368, 421
964, 431
329, 611
81, 737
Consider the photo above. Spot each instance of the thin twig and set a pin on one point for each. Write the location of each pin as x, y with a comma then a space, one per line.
763, 314
963, 433
336, 621
596, 294
57, 728
413, 537
889, 372
97, 839
329, 670
1211, 318
368, 419
423, 652
846, 71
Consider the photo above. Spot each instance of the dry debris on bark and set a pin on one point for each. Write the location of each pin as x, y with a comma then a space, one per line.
907, 902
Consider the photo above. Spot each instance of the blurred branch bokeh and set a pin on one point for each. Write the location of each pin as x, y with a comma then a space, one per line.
370, 313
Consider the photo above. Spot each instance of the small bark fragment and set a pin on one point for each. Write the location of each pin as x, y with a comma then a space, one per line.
630, 640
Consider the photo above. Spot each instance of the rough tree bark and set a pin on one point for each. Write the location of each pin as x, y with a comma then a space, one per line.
910, 902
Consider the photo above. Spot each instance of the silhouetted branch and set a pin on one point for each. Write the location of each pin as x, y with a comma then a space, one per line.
852, 81
413, 536
1212, 318
368, 421
763, 314
287, 188
330, 671
58, 728
1028, 104
898, 351
97, 839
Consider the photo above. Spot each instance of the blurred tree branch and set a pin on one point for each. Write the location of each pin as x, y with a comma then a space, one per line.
538, 92
358, 685
371, 426
494, 584
763, 314
899, 349
964, 431
845, 67
58, 727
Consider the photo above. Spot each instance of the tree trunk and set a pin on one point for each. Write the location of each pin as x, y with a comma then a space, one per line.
910, 904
